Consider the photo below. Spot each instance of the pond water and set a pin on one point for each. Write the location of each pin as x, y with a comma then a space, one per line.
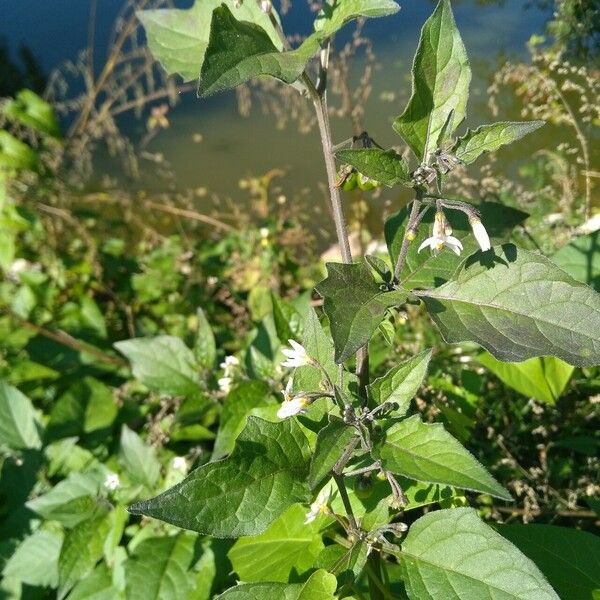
233, 146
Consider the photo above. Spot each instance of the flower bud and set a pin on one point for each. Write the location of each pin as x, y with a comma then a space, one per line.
266, 6
480, 233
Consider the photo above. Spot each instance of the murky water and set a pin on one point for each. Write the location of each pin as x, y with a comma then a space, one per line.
233, 146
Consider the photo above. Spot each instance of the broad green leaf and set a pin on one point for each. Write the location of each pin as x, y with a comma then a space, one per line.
319, 586
288, 546
19, 426
98, 585
334, 14
517, 305
163, 364
88, 405
138, 459
401, 383
81, 550
441, 77
580, 258
179, 38
35, 560
488, 138
71, 500
237, 407
427, 452
331, 443
239, 51
244, 493
158, 568
453, 555
288, 321
32, 111
355, 305
423, 269
543, 378
569, 558
384, 166
205, 348
15, 154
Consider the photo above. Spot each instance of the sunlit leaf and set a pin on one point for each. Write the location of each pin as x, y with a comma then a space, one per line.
427, 452
441, 77
19, 426
244, 493
385, 166
580, 258
453, 555
488, 138
518, 305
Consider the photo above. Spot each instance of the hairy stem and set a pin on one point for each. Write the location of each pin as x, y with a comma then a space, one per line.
414, 213
341, 484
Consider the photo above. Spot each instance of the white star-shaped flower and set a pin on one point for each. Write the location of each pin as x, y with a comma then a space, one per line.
296, 356
293, 404
320, 506
224, 384
441, 236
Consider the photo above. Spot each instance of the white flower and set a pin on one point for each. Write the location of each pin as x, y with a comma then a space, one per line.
481, 235
296, 356
264, 232
293, 406
320, 506
180, 464
266, 6
229, 363
112, 482
441, 236
224, 384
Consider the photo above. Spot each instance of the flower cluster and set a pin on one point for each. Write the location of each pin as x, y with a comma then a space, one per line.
229, 366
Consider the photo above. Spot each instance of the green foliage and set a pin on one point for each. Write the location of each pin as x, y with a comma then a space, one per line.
441, 77
19, 426
354, 318
452, 554
513, 305
427, 452
242, 494
580, 258
384, 166
488, 138
543, 378
567, 557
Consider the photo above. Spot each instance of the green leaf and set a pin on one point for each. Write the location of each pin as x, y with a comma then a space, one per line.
427, 452
70, 501
569, 558
81, 550
345, 563
423, 269
522, 306
543, 378
384, 166
334, 14
158, 568
19, 427
34, 112
205, 349
453, 555
441, 77
488, 138
401, 383
88, 405
331, 443
14, 154
237, 407
163, 364
239, 51
580, 258
288, 547
98, 585
35, 561
138, 459
244, 493
355, 305
319, 586
288, 321
179, 38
